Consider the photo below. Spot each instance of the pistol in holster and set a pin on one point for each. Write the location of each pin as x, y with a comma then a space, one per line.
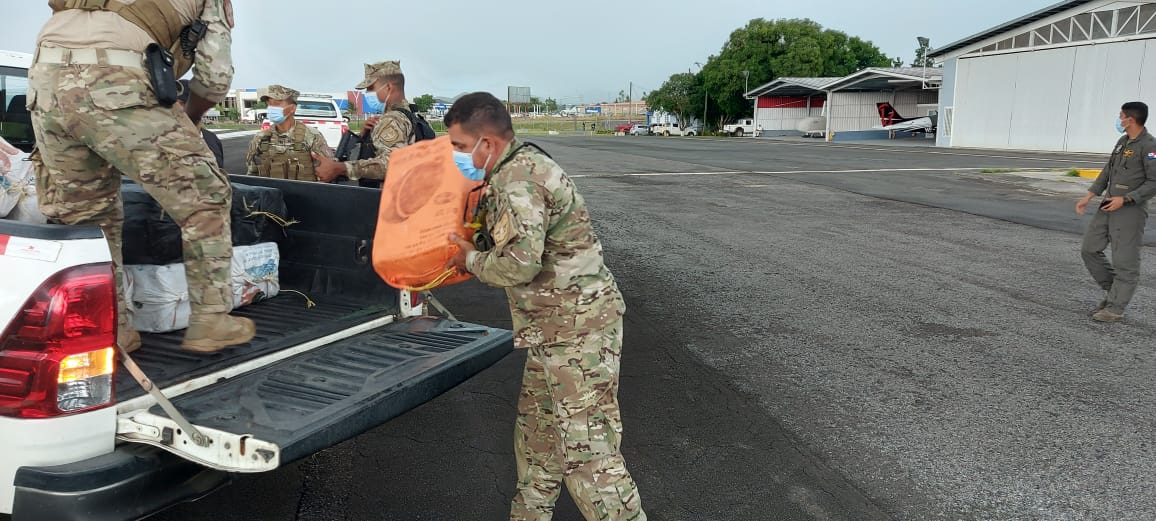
160, 68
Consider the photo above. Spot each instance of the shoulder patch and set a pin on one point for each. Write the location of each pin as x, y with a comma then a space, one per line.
227, 6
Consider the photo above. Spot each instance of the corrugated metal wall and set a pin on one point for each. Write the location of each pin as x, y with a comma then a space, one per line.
1062, 99
785, 112
857, 110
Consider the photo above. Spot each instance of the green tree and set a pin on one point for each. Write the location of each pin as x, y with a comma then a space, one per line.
424, 103
550, 104
897, 62
778, 48
921, 58
677, 95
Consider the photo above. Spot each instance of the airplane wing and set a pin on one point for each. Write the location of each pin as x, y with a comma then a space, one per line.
925, 124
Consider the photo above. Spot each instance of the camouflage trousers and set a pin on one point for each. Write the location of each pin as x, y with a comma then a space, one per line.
569, 429
88, 118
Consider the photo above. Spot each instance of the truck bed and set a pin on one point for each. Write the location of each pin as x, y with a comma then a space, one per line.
282, 322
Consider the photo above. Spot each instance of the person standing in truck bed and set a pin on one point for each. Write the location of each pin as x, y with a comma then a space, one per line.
94, 104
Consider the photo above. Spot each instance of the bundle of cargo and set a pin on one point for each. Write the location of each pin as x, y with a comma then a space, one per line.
152, 237
160, 294
17, 186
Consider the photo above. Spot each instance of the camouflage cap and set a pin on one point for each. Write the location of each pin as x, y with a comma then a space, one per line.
279, 93
375, 71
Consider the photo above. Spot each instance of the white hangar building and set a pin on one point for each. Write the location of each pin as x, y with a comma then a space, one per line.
1051, 80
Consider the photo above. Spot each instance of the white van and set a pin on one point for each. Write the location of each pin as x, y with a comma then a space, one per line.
322, 114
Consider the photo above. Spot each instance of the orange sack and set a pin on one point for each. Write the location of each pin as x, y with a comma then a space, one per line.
425, 198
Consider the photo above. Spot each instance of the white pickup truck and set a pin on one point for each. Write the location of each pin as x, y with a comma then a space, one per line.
81, 439
672, 129
741, 128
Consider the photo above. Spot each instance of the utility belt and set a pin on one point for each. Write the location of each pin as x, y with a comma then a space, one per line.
156, 61
66, 56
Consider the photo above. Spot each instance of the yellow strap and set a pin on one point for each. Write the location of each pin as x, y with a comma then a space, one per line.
308, 301
436, 282
280, 221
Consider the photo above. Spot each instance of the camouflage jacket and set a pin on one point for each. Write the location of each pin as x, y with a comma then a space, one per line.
546, 254
392, 132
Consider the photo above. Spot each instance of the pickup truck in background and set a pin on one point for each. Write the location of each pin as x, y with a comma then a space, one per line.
673, 129
741, 128
81, 439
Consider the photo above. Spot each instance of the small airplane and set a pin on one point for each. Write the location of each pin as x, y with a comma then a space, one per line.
891, 120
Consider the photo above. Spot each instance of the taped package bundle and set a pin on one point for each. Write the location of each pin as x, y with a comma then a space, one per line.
18, 200
160, 297
160, 294
255, 271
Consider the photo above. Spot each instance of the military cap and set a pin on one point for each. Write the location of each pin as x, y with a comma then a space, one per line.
376, 71
279, 93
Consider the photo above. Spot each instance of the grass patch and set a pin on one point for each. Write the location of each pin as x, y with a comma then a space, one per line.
996, 171
1072, 172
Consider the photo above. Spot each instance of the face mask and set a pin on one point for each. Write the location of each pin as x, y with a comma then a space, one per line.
276, 115
1120, 127
465, 162
372, 104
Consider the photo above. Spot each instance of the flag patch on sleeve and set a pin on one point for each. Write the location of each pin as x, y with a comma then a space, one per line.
1151, 156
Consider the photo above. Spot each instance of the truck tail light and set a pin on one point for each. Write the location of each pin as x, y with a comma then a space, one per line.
344, 128
58, 356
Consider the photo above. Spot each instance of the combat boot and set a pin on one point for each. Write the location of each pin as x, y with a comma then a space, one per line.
1099, 307
128, 339
211, 332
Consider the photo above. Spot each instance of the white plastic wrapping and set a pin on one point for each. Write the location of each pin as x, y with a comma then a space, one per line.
255, 271
15, 176
160, 297
160, 294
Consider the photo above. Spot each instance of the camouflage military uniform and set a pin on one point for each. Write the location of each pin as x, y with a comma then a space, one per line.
392, 131
285, 155
567, 312
92, 107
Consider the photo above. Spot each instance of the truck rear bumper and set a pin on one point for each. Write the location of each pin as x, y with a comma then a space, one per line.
132, 482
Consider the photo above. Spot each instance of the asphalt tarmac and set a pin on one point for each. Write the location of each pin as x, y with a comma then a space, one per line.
815, 332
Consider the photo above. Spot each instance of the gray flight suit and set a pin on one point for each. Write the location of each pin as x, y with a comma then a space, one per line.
1130, 173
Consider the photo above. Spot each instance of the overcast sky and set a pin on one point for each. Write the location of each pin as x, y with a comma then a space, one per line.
574, 51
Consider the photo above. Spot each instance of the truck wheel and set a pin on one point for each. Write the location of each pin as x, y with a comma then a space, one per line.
739, 132
666, 133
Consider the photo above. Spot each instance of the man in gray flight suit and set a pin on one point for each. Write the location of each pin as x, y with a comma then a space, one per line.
1130, 181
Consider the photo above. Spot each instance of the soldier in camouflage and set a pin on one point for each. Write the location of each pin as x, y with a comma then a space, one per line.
283, 150
93, 107
393, 130
567, 313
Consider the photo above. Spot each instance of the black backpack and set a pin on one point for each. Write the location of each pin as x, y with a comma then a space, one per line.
421, 128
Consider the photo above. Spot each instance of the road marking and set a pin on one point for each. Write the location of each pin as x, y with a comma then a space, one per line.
788, 172
926, 151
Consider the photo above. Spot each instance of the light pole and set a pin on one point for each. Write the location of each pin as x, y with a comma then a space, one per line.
705, 98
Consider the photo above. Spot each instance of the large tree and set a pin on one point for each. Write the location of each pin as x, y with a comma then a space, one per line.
778, 48
677, 95
424, 103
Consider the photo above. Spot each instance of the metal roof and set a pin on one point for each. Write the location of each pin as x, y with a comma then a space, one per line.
1018, 23
885, 78
791, 87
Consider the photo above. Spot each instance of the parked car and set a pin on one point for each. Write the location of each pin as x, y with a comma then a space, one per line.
640, 130
322, 114
674, 129
741, 128
623, 128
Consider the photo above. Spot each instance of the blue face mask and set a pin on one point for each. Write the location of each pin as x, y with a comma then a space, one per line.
1120, 127
275, 115
372, 104
465, 162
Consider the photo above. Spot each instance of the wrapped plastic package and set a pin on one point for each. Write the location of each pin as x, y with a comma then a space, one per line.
160, 297
255, 273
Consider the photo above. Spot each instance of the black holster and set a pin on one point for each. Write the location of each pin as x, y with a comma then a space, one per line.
160, 68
